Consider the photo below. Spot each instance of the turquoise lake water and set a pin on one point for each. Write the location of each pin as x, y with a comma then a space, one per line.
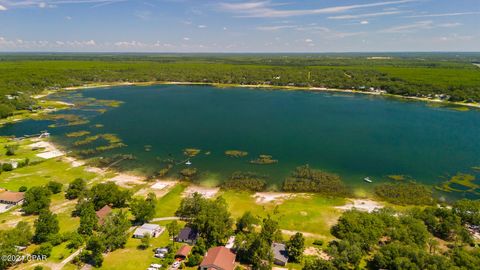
352, 135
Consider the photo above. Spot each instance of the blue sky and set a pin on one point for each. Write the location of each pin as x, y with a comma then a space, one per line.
239, 25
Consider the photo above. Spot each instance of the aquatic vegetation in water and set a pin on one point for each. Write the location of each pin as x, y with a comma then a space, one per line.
264, 160
98, 126
164, 171
460, 183
248, 181
476, 168
113, 141
110, 161
236, 153
306, 179
405, 193
191, 152
397, 177
147, 148
63, 120
188, 174
76, 134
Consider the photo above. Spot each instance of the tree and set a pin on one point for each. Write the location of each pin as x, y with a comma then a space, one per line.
54, 187
114, 231
36, 200
295, 247
210, 217
93, 252
194, 260
45, 249
468, 211
76, 188
46, 226
144, 210
246, 222
108, 194
270, 230
318, 264
21, 235
22, 189
88, 220
145, 241
173, 230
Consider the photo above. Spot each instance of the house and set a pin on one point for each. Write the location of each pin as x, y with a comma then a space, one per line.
153, 230
187, 235
280, 254
103, 213
218, 258
12, 198
183, 252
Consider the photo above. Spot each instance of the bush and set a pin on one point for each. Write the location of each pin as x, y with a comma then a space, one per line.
245, 181
318, 242
11, 149
44, 249
54, 187
305, 179
7, 167
194, 260
22, 189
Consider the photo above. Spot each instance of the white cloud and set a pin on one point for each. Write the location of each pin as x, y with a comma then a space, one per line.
364, 22
443, 14
275, 27
408, 28
2, 8
367, 15
308, 40
53, 3
267, 9
201, 26
186, 38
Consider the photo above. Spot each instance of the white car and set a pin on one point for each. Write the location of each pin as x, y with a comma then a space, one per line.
160, 255
176, 264
155, 265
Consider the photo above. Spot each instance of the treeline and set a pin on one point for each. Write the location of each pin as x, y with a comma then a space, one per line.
404, 76
305, 179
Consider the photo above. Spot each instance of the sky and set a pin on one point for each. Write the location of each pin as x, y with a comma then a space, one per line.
239, 25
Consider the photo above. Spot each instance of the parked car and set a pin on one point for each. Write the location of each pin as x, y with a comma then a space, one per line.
176, 264
159, 255
161, 250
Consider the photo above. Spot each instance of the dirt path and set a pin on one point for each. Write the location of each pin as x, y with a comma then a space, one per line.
59, 266
164, 219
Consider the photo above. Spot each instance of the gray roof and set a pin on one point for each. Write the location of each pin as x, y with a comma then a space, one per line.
146, 228
187, 233
280, 252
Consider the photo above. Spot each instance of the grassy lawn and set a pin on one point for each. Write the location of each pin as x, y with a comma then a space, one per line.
314, 214
168, 204
132, 258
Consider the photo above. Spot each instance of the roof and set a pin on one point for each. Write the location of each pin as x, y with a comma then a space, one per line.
146, 228
187, 233
280, 252
184, 251
220, 257
103, 213
9, 196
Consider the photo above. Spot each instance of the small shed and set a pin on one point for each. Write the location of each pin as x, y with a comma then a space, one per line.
280, 254
183, 252
153, 230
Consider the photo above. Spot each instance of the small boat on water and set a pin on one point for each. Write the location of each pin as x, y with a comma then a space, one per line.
367, 179
188, 163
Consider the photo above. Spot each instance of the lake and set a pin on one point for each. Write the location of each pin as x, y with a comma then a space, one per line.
352, 135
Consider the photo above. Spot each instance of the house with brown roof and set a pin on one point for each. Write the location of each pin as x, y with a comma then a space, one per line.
12, 198
103, 213
218, 258
183, 252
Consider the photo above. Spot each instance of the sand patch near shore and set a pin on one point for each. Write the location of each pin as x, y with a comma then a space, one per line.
159, 188
204, 191
275, 197
361, 204
49, 150
127, 180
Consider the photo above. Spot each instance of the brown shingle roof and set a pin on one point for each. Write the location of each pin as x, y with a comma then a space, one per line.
14, 197
220, 258
184, 251
103, 213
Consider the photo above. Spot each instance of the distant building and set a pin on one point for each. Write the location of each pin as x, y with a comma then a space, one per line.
103, 213
153, 230
187, 235
218, 258
183, 252
280, 254
12, 198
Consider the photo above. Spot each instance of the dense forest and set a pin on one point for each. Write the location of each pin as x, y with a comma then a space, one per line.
451, 75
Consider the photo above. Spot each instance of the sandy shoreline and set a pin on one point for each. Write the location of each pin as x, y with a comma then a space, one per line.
317, 89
